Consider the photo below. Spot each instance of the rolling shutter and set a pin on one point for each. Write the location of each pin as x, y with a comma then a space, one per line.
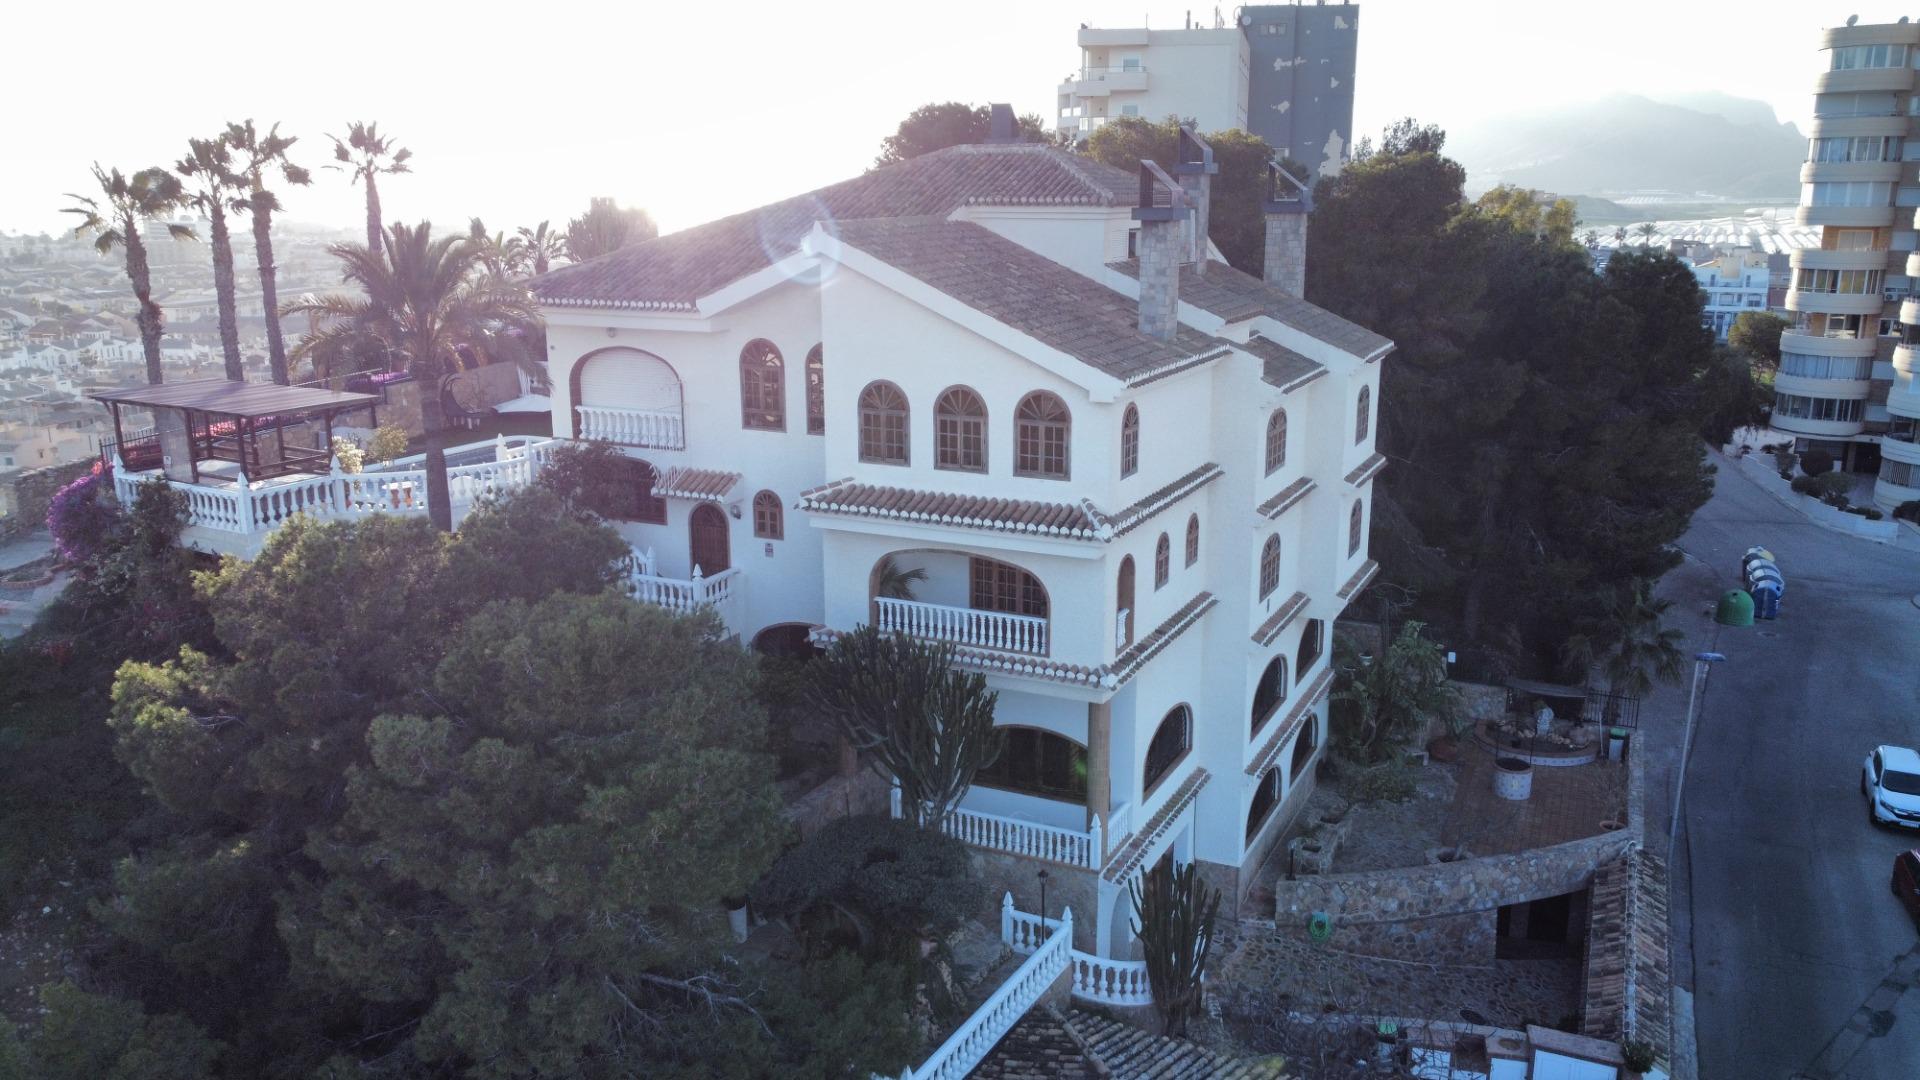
629, 379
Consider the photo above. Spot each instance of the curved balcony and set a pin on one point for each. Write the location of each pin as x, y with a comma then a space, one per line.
1819, 429
1829, 127
1896, 448
1843, 389
1835, 303
1824, 259
1884, 171
1811, 344
1903, 397
1874, 34
1863, 80
1855, 217
1910, 311
1913, 263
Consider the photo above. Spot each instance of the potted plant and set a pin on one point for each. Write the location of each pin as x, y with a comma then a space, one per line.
1637, 1055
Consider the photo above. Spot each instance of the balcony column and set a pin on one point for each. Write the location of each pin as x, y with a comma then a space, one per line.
1099, 765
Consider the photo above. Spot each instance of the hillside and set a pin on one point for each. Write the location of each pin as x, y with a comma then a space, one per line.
1726, 146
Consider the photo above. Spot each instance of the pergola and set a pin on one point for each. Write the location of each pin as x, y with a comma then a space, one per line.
225, 421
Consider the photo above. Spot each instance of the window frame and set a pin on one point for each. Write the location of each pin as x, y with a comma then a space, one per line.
1257, 815
1130, 441
1151, 779
1193, 539
1356, 528
1263, 711
942, 418
1074, 791
879, 416
1363, 415
1162, 562
816, 384
1276, 441
769, 516
1308, 740
1270, 552
1047, 435
763, 375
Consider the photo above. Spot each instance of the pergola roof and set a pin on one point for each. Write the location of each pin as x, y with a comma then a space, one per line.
225, 397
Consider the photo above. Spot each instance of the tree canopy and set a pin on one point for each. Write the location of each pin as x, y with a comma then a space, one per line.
949, 123
1236, 223
606, 227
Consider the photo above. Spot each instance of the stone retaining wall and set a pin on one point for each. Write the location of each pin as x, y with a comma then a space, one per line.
1067, 886
30, 492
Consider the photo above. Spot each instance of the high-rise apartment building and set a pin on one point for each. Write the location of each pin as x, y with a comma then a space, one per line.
1281, 71
1845, 383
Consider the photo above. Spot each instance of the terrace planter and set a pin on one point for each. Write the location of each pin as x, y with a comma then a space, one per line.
1332, 826
1309, 855
1512, 778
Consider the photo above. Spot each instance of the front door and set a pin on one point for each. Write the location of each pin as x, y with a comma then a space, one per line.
707, 539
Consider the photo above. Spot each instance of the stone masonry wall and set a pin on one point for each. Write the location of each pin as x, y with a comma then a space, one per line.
1066, 887
1285, 253
31, 491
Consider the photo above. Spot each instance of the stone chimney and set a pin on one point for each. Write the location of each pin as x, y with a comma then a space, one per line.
1287, 207
1001, 127
1196, 170
1163, 215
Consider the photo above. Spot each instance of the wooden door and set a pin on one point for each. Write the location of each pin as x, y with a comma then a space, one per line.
707, 539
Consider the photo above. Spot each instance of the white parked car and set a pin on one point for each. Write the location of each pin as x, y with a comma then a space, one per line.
1890, 780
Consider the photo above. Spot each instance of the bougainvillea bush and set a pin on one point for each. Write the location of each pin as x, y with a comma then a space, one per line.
82, 517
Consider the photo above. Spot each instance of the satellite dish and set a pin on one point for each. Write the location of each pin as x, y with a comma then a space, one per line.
1851, 19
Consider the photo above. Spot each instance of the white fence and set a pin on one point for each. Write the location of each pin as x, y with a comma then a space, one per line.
661, 429
994, 832
964, 626
973, 1040
1097, 979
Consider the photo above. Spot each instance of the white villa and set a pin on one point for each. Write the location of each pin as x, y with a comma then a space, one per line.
1136, 479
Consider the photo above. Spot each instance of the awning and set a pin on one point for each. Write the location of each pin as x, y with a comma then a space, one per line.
226, 397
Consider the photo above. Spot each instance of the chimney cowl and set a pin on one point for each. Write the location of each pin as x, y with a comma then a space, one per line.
1286, 194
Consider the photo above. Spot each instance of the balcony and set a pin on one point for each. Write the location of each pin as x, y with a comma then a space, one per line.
1859, 217
660, 429
1884, 171
1913, 264
1100, 81
1836, 303
1903, 397
1831, 343
1824, 259
1828, 127
644, 583
1086, 848
1864, 80
999, 630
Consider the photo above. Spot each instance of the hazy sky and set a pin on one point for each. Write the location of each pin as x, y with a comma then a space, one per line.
522, 111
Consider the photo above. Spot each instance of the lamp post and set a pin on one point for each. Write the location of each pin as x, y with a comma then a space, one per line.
1042, 875
1702, 662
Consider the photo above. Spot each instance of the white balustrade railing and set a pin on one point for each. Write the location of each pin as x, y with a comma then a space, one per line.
974, 1039
676, 594
995, 832
1101, 980
964, 626
659, 428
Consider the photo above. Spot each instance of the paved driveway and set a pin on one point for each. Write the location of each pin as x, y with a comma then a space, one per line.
1801, 961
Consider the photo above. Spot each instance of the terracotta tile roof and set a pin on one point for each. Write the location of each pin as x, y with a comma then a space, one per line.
1367, 470
1122, 1051
685, 483
1149, 505
1361, 579
1028, 292
1281, 618
1136, 655
1040, 1047
1071, 521
1281, 366
1134, 852
1296, 716
1286, 497
1234, 296
674, 271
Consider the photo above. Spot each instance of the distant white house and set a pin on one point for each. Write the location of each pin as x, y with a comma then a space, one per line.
1734, 282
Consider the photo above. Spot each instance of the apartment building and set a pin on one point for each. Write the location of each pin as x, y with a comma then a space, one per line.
1843, 363
1000, 396
1733, 281
1281, 71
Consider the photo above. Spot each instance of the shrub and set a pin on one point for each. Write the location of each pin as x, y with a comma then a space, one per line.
1785, 458
1637, 1054
388, 442
350, 456
598, 479
1393, 782
1832, 483
1802, 484
81, 517
1907, 511
1816, 462
1838, 502
876, 882
1874, 515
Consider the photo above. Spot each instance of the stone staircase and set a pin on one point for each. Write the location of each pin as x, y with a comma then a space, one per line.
1050, 1045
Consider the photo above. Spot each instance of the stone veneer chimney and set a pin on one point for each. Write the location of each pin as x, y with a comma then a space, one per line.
1196, 170
1287, 208
1001, 126
1164, 241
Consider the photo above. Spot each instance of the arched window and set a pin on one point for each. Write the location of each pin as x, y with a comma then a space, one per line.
1040, 429
883, 424
1361, 414
1193, 539
960, 431
997, 586
1276, 441
1269, 566
1170, 742
1038, 762
1303, 747
816, 392
1162, 561
1123, 605
1310, 648
767, 517
1354, 521
1270, 693
1130, 441
763, 387
1266, 796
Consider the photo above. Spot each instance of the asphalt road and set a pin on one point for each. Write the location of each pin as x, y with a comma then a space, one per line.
1801, 961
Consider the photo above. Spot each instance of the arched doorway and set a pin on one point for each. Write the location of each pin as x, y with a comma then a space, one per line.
707, 539
1123, 607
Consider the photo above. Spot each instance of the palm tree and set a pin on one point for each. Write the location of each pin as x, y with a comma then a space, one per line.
542, 245
366, 153
1619, 234
1647, 230
259, 156
1627, 642
502, 255
116, 216
210, 163
426, 301
1384, 701
606, 227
